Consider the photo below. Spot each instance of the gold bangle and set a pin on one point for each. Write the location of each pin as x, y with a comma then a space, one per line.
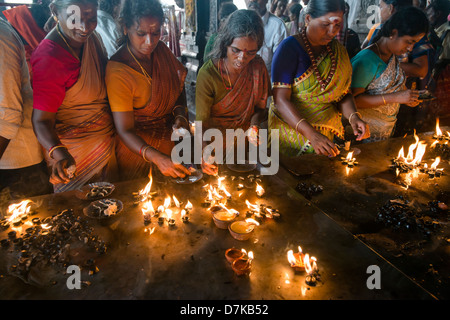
52, 149
143, 153
180, 115
350, 117
176, 107
296, 126
384, 101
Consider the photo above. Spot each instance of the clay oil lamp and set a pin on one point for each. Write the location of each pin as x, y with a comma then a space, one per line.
296, 260
243, 266
242, 230
233, 254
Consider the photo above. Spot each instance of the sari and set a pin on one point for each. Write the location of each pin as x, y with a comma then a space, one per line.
153, 121
230, 109
83, 120
382, 119
315, 105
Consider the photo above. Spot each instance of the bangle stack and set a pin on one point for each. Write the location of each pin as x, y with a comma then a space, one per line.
350, 117
300, 121
142, 151
52, 149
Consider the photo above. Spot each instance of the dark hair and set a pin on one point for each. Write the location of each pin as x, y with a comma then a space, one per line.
63, 4
409, 21
399, 4
295, 9
226, 9
132, 11
108, 6
319, 8
241, 23
440, 6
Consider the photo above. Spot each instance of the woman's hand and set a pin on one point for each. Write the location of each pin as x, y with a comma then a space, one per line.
360, 128
408, 97
63, 170
253, 135
323, 145
209, 168
167, 167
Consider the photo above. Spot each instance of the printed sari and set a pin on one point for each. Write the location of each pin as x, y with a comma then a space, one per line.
84, 122
250, 91
382, 119
154, 121
317, 106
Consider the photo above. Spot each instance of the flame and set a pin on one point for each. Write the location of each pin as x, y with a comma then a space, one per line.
188, 205
259, 190
413, 159
148, 208
150, 230
435, 163
250, 256
175, 200
146, 190
45, 226
183, 213
349, 156
169, 214
167, 202
160, 209
438, 130
18, 210
306, 262
252, 221
291, 258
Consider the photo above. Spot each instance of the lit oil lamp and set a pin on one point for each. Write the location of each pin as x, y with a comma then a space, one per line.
259, 190
222, 218
170, 219
233, 254
311, 270
243, 266
242, 230
184, 216
18, 212
147, 211
433, 171
296, 260
416, 152
349, 160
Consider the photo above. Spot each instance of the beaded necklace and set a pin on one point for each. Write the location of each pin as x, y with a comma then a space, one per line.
230, 86
323, 83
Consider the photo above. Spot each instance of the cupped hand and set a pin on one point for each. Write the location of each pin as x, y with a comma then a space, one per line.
360, 129
323, 145
63, 170
209, 168
169, 168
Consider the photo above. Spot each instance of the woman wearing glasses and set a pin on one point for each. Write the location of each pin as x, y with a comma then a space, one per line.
233, 86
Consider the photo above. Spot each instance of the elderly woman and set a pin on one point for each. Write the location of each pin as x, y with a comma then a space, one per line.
233, 86
145, 85
311, 89
378, 81
71, 116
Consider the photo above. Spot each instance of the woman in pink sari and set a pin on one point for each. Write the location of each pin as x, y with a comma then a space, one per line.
71, 116
233, 86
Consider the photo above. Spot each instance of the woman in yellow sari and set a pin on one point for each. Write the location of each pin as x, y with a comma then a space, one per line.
311, 89
145, 85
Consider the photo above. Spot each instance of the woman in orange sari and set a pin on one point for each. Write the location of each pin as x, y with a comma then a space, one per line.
71, 116
233, 86
145, 84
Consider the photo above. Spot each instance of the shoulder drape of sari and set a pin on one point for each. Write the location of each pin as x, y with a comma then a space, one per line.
154, 122
316, 106
382, 119
251, 90
84, 122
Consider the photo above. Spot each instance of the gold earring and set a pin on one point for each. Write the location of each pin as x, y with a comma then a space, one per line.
55, 18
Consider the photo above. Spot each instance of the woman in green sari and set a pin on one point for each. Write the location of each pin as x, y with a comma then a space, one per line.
312, 89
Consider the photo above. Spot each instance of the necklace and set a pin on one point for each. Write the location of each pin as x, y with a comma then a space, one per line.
230, 86
67, 44
323, 83
144, 72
